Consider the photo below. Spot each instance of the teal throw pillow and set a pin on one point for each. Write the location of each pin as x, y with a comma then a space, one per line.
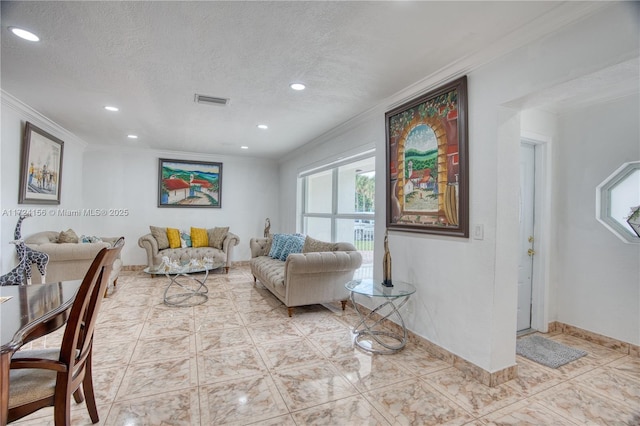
277, 245
187, 238
293, 244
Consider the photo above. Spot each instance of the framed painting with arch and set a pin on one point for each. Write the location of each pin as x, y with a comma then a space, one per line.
427, 165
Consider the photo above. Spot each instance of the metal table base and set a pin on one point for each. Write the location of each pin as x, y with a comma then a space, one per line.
195, 291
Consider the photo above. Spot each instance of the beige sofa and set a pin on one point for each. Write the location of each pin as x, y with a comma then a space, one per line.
184, 255
305, 278
69, 261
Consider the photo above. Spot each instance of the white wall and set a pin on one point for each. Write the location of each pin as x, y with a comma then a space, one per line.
466, 298
128, 179
598, 279
14, 116
117, 178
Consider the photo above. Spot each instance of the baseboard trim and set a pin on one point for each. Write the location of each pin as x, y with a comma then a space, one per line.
599, 339
481, 375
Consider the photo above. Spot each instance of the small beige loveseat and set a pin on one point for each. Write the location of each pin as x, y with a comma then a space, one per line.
316, 275
68, 260
219, 251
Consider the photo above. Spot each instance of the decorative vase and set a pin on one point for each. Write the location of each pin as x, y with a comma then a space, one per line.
386, 262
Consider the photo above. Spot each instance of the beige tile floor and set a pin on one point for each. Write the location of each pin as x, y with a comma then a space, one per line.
238, 359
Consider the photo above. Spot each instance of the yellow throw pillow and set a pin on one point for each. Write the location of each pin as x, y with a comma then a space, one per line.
173, 235
199, 237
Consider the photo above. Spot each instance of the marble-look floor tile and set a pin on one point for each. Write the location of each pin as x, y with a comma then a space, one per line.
414, 402
164, 312
181, 347
285, 420
129, 313
79, 416
417, 360
354, 410
611, 383
114, 354
472, 395
118, 331
167, 327
368, 372
273, 332
263, 316
157, 377
629, 366
130, 301
582, 405
224, 319
241, 401
310, 385
224, 338
525, 413
106, 382
289, 353
246, 362
213, 306
316, 324
533, 378
217, 366
171, 408
338, 344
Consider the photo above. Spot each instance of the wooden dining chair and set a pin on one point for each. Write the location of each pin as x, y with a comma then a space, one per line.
48, 377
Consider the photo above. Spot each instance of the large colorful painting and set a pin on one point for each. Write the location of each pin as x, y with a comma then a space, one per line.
41, 167
427, 170
189, 183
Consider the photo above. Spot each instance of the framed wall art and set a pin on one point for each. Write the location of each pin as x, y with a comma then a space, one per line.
183, 183
427, 166
41, 167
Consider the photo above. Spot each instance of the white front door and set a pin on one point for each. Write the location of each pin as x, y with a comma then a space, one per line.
526, 245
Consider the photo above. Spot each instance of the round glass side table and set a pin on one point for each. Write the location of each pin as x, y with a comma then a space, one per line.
369, 327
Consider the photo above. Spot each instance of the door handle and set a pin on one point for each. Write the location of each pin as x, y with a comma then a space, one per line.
531, 252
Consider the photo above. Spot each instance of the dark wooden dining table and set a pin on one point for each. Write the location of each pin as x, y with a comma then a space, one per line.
32, 311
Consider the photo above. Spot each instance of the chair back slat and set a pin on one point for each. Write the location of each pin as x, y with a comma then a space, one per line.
78, 335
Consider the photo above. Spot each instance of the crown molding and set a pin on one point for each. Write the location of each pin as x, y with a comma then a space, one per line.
548, 24
31, 115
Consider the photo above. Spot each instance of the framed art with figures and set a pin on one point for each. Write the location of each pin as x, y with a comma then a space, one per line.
41, 167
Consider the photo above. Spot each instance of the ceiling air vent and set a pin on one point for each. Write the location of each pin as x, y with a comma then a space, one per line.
211, 100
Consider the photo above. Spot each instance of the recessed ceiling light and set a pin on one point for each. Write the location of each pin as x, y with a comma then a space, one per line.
262, 126
297, 86
24, 34
112, 108
132, 136
244, 147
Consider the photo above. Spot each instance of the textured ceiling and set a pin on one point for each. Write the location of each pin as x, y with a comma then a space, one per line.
150, 58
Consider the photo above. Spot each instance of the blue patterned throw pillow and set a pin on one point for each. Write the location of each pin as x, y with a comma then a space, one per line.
276, 245
293, 244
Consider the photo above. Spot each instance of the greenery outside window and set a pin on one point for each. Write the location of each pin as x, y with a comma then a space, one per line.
338, 203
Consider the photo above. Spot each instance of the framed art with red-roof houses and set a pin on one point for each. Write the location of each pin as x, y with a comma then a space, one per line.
427, 166
185, 183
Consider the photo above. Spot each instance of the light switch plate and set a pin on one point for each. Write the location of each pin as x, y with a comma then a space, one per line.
478, 232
